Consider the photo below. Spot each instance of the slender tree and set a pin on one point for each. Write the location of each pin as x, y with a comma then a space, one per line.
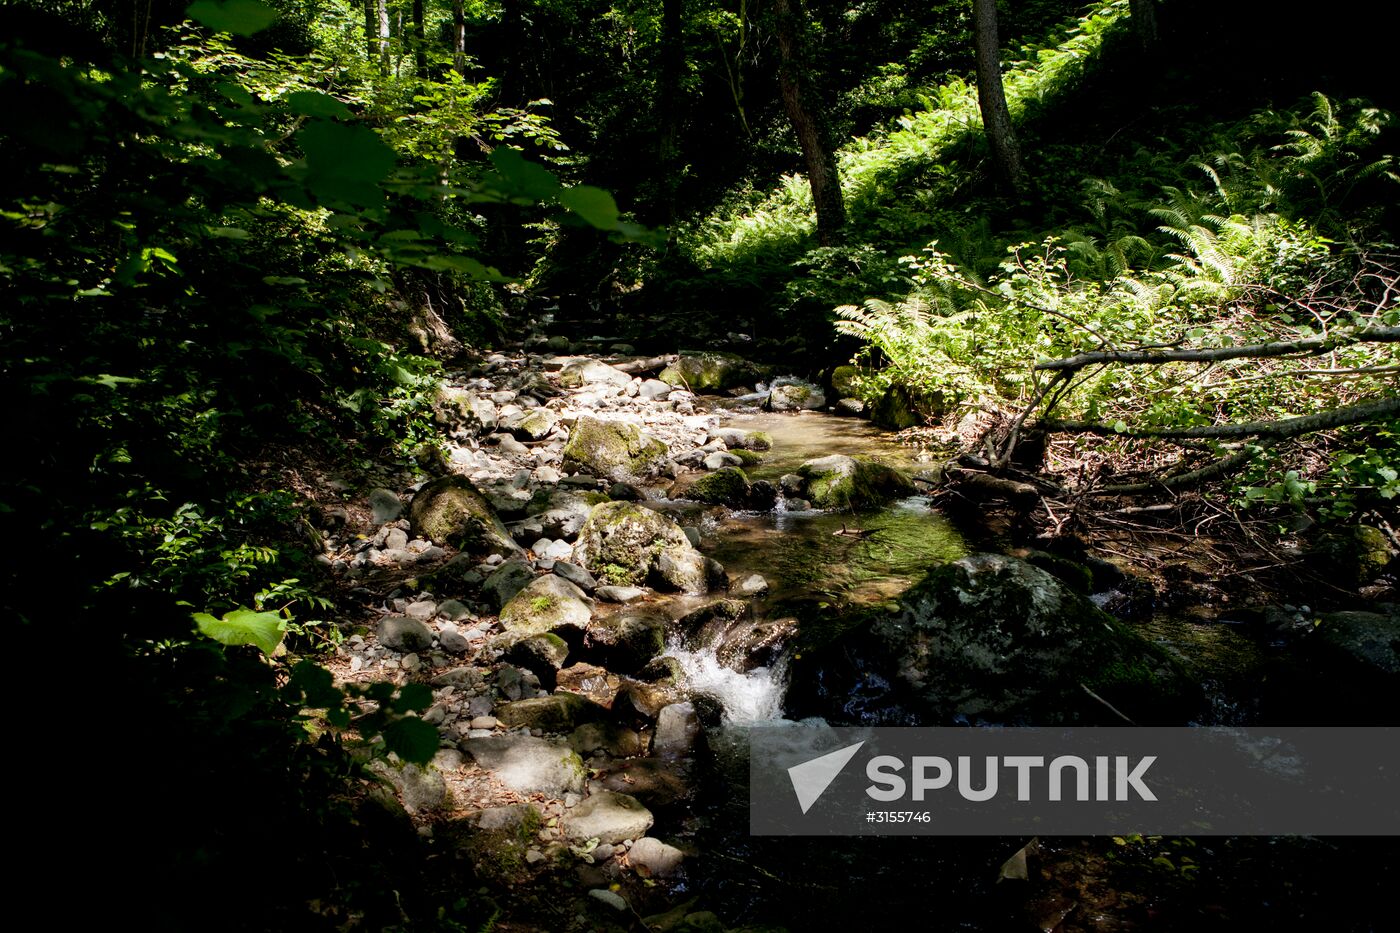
808, 119
669, 105
459, 38
991, 96
420, 45
382, 46
1144, 18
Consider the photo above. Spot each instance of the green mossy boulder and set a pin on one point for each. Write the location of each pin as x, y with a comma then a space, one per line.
616, 450
1353, 556
900, 408
995, 639
710, 371
558, 712
728, 486
548, 604
841, 482
451, 512
625, 544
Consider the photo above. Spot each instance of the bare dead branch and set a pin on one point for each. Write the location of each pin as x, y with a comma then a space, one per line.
1286, 427
1309, 346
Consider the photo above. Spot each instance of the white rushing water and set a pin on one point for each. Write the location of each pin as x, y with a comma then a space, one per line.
756, 696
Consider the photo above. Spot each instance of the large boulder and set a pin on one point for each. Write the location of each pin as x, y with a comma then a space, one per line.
558, 712
841, 482
711, 371
1368, 640
548, 604
588, 371
616, 450
994, 639
529, 765
451, 511
625, 544
728, 486
899, 408
795, 396
609, 817
505, 581
626, 641
1353, 556
532, 425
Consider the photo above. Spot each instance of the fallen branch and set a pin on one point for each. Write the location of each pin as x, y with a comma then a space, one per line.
1186, 480
1021, 494
1282, 428
647, 365
1309, 346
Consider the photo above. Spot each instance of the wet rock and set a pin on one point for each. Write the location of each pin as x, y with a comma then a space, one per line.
752, 585
608, 817
792, 485
662, 670
653, 858
625, 642
1370, 640
589, 371
993, 638
708, 624
677, 729
609, 898
529, 765
849, 407
728, 486
795, 396
558, 712
899, 408
506, 581
542, 654
841, 482
623, 544
657, 782
710, 372
625, 492
547, 604
763, 496
590, 681
385, 506
404, 633
451, 511
615, 450
619, 594
607, 738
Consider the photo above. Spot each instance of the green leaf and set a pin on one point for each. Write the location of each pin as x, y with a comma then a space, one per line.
412, 739
521, 178
413, 698
345, 163
244, 627
240, 17
592, 204
316, 104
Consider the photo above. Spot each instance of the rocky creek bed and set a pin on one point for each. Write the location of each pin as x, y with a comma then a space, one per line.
608, 576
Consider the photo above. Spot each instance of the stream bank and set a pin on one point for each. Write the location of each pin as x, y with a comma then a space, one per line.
598, 640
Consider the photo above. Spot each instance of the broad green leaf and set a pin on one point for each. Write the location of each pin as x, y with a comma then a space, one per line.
413, 698
412, 739
521, 178
592, 204
345, 163
244, 627
316, 104
316, 685
240, 17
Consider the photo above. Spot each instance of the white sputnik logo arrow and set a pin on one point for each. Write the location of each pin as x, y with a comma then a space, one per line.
811, 778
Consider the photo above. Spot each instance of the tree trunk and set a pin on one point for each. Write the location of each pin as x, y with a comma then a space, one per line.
669, 103
1144, 17
808, 121
371, 33
420, 45
991, 96
382, 10
459, 38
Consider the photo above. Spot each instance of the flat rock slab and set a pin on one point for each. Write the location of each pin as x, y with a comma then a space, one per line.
608, 817
529, 765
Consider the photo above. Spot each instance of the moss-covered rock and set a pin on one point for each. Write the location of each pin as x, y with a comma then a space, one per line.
627, 641
747, 458
558, 712
616, 450
796, 397
1368, 640
532, 425
711, 371
993, 638
450, 511
1353, 556
542, 654
548, 604
728, 486
899, 408
841, 482
843, 381
625, 544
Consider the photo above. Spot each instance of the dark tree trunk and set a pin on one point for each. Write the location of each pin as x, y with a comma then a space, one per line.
808, 120
992, 98
371, 31
420, 45
1144, 17
669, 103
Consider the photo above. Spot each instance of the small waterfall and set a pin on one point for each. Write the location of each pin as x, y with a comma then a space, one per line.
755, 696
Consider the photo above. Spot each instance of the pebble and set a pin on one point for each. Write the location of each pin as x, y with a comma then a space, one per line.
411, 663
611, 898
484, 722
